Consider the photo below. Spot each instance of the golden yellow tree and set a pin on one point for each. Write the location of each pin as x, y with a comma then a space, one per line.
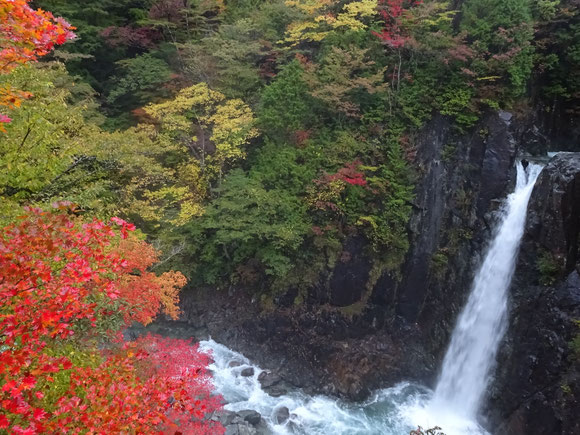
213, 128
159, 182
320, 20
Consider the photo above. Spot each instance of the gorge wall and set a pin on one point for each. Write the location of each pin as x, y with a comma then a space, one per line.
349, 337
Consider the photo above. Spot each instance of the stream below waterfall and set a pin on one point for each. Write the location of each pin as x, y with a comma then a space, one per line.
391, 411
465, 373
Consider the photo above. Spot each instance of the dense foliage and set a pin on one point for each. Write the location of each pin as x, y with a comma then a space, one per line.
68, 286
257, 137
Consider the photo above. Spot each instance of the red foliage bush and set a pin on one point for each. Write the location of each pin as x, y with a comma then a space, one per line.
349, 174
26, 34
65, 288
393, 13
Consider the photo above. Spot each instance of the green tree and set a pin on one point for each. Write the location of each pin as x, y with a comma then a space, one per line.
90, 56
50, 152
248, 223
345, 80
228, 59
501, 31
286, 105
42, 140
139, 81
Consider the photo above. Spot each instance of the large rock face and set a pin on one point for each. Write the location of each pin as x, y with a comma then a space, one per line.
465, 180
537, 384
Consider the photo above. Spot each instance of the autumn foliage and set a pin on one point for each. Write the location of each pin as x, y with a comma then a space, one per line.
66, 287
25, 35
327, 195
393, 14
153, 385
348, 174
146, 293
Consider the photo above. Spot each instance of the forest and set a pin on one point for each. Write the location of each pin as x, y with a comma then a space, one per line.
149, 146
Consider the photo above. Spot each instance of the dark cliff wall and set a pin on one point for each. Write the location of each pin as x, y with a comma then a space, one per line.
351, 334
463, 177
537, 384
463, 180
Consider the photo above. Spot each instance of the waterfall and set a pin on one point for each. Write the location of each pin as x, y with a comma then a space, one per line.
482, 323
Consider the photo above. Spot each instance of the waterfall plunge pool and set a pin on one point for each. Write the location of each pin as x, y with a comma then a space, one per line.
391, 411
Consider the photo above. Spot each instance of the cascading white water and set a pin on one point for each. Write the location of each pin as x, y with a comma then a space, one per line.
482, 323
382, 414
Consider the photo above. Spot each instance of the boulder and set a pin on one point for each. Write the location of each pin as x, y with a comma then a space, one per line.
251, 416
273, 384
268, 379
224, 416
281, 415
262, 428
240, 429
276, 391
247, 372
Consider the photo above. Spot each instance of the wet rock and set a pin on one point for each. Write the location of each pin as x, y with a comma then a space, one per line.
252, 417
247, 372
268, 379
224, 416
276, 391
498, 159
238, 420
281, 415
232, 364
532, 135
240, 429
273, 384
462, 177
248, 422
554, 211
262, 428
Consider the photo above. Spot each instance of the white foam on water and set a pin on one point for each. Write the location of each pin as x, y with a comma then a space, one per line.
312, 415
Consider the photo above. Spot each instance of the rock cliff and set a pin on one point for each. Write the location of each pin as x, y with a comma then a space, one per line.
347, 339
